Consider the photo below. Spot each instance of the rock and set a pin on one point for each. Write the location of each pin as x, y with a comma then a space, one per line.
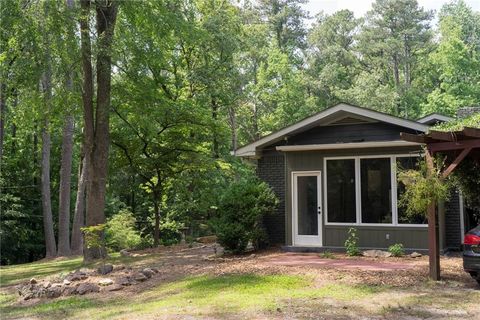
376, 253
155, 270
56, 285
125, 253
119, 267
87, 287
33, 281
415, 255
76, 276
46, 284
115, 287
147, 272
207, 239
140, 277
54, 292
124, 281
105, 282
66, 282
105, 269
70, 290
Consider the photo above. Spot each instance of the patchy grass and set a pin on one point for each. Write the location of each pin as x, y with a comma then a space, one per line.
197, 296
191, 286
10, 275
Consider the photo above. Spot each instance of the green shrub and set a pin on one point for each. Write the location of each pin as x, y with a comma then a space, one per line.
120, 232
170, 232
396, 250
327, 255
239, 213
351, 244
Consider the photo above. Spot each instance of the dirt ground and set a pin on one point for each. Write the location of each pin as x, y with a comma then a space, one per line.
406, 292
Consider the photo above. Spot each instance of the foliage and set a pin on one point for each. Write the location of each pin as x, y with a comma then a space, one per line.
396, 250
472, 121
238, 217
94, 236
422, 188
120, 232
170, 232
351, 244
327, 255
467, 179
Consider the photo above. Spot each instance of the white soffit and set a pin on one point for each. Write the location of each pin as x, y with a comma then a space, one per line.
328, 115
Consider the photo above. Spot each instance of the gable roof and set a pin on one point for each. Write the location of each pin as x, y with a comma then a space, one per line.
328, 116
434, 118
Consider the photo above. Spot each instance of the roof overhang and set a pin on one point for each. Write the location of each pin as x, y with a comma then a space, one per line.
350, 145
434, 118
324, 118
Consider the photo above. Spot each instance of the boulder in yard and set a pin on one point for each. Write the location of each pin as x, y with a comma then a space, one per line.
415, 255
125, 253
66, 282
140, 277
155, 270
147, 272
119, 267
33, 281
115, 287
207, 239
76, 276
54, 292
46, 284
105, 282
70, 290
376, 253
124, 281
105, 269
87, 287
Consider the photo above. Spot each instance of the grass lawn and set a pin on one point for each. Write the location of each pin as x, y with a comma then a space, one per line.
245, 293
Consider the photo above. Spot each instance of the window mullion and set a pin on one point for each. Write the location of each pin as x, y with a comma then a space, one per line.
358, 191
393, 169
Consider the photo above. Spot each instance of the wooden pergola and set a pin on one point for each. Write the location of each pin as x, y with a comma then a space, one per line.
456, 146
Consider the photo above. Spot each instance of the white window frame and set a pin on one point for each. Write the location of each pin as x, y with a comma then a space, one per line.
358, 191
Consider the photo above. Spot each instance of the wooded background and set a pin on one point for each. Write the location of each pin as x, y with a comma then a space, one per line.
136, 105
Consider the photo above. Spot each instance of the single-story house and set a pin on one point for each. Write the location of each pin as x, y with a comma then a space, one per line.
338, 169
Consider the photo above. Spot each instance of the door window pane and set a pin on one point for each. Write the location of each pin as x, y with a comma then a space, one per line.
341, 190
376, 190
307, 197
406, 163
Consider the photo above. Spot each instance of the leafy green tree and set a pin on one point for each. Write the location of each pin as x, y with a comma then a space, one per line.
332, 60
457, 61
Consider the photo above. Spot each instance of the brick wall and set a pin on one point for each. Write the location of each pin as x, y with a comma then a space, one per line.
271, 169
452, 222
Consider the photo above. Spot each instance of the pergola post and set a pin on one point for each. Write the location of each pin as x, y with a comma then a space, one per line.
449, 143
433, 247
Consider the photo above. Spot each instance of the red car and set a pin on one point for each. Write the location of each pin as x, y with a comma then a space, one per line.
471, 253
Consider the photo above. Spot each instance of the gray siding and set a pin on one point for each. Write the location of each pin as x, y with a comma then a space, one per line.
349, 133
334, 236
271, 169
376, 237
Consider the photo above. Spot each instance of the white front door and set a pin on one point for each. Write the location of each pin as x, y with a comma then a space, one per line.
307, 208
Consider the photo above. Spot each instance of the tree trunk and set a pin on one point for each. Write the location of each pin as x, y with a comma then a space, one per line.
3, 101
46, 84
233, 129
79, 213
97, 128
216, 152
156, 231
65, 181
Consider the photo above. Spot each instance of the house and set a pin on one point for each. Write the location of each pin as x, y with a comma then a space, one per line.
336, 170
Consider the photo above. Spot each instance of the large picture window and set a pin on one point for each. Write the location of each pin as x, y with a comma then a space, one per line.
364, 190
406, 163
341, 190
376, 186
